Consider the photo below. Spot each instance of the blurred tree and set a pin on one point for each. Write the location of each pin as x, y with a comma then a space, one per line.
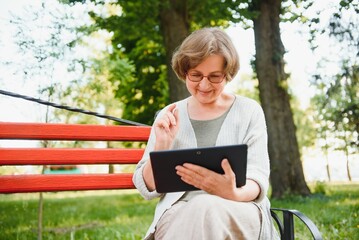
44, 36
337, 97
144, 93
304, 120
248, 87
95, 92
323, 133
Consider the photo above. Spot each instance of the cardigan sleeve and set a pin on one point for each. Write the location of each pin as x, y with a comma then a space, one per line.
137, 178
258, 158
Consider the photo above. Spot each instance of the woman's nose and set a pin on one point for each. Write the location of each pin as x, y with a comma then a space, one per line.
204, 82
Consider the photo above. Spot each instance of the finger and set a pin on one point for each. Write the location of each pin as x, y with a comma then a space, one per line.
171, 118
172, 114
176, 115
226, 167
163, 124
171, 107
189, 176
197, 169
182, 171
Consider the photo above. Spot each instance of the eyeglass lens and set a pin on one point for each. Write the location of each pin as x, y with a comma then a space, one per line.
213, 78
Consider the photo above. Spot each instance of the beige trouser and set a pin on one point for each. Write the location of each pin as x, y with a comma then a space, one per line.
209, 217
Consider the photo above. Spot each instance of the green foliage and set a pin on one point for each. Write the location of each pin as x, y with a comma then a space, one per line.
137, 36
304, 122
94, 92
127, 216
338, 105
337, 99
248, 87
292, 10
214, 13
320, 188
44, 35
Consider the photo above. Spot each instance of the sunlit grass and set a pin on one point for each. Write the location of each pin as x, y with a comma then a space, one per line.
118, 216
335, 213
112, 215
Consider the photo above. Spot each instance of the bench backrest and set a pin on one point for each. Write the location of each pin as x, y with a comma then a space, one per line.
68, 156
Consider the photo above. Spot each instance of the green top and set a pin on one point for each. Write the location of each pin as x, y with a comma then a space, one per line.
206, 131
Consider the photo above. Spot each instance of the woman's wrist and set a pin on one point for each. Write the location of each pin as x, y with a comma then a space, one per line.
247, 193
148, 176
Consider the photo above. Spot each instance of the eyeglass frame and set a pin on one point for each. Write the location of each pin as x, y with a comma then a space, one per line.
208, 77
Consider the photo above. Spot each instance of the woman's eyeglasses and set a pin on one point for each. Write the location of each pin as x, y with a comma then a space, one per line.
213, 77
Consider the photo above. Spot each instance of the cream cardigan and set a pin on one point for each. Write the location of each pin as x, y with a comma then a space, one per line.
244, 124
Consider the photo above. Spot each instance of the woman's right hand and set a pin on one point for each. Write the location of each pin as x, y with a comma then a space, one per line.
166, 128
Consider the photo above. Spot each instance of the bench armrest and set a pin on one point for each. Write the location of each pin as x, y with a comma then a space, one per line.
286, 228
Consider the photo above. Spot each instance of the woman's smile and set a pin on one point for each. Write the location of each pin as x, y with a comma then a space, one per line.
204, 92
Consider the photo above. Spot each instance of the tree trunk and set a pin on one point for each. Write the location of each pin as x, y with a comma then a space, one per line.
111, 167
327, 159
347, 159
348, 168
174, 29
286, 167
328, 168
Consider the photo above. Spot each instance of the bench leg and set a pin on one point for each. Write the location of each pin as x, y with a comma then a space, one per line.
288, 225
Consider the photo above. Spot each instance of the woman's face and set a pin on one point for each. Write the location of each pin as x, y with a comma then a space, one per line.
205, 91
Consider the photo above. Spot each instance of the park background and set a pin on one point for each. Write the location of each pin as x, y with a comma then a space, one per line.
302, 62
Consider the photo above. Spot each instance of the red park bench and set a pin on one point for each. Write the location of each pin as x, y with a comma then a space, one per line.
26, 183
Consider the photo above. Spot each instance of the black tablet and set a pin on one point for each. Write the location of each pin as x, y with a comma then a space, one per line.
164, 163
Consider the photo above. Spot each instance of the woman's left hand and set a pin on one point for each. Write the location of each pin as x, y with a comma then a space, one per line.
222, 185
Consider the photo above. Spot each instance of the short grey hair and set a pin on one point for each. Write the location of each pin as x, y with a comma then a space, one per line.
201, 44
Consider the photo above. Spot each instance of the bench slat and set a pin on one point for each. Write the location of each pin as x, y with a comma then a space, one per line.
64, 182
85, 132
56, 156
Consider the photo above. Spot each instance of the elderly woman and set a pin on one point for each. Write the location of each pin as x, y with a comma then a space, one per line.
206, 61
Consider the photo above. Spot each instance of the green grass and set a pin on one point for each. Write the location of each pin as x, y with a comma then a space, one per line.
113, 215
335, 211
116, 216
